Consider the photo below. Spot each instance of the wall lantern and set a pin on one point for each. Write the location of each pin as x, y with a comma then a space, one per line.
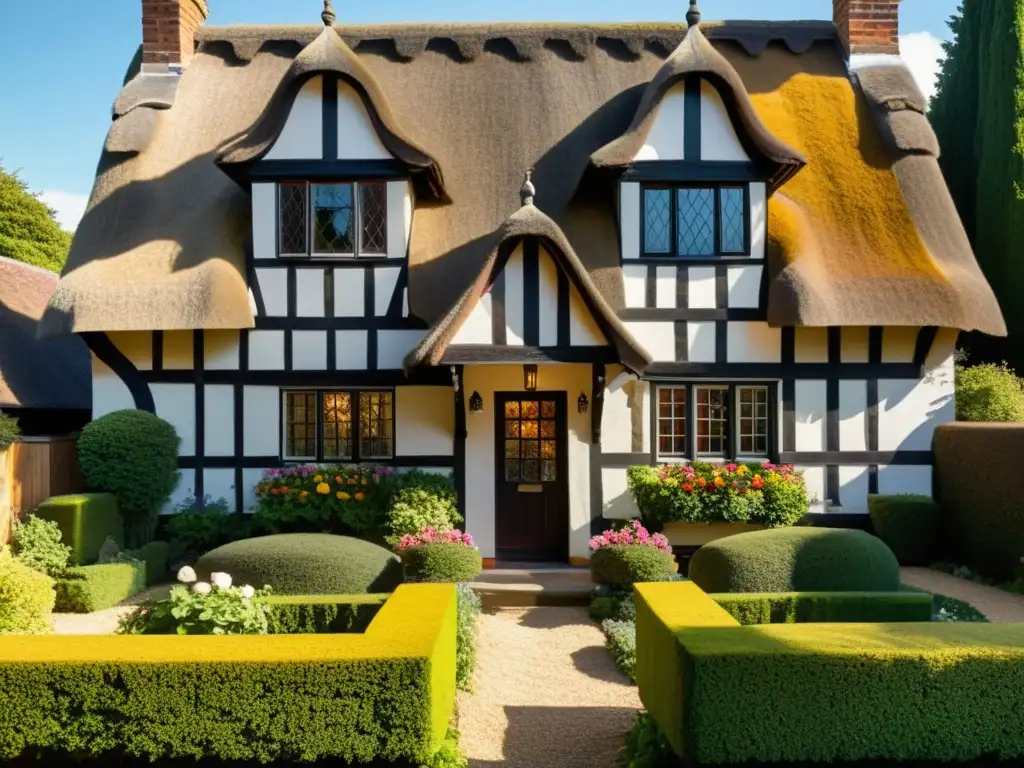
476, 403
582, 404
530, 377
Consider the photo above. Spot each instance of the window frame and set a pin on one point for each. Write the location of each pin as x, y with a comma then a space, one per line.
673, 188
732, 452
357, 215
355, 433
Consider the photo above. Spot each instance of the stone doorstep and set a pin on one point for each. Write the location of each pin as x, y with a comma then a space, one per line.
510, 587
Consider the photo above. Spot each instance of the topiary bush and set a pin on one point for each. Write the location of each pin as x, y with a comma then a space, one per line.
442, 561
26, 598
625, 565
988, 392
133, 455
796, 560
85, 520
37, 544
909, 524
88, 588
306, 564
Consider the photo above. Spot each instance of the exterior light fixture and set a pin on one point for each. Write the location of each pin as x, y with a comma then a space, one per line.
582, 405
530, 377
476, 403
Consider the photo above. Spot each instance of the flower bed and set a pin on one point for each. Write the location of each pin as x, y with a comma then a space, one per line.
766, 494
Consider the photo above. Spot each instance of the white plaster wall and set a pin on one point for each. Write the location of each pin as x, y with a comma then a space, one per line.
583, 329
665, 140
896, 479
853, 489
754, 343
745, 287
221, 350
480, 480
219, 420
350, 350
810, 345
854, 343
264, 220
853, 403
701, 287
810, 407
261, 417
393, 346
400, 201
616, 422
250, 479
547, 300
302, 135
718, 137
665, 287
700, 342
274, 287
658, 338
629, 220
309, 292
109, 393
515, 326
617, 503
477, 328
424, 421
898, 344
266, 350
385, 280
349, 292
814, 479
176, 404
220, 484
309, 350
357, 140
758, 219
634, 277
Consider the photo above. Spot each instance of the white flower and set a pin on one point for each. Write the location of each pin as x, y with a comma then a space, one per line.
187, 575
220, 580
248, 591
201, 588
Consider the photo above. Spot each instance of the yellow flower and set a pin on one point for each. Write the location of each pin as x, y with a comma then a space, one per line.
303, 494
351, 481
338, 495
364, 481
741, 470
318, 479
360, 496
343, 496
323, 489
720, 482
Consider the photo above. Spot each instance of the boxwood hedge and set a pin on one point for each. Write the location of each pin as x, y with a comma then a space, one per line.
909, 524
89, 588
803, 607
85, 520
322, 614
624, 565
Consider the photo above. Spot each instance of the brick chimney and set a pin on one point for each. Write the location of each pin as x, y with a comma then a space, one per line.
168, 31
868, 26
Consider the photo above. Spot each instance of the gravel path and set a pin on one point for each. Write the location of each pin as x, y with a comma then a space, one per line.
547, 693
103, 622
997, 604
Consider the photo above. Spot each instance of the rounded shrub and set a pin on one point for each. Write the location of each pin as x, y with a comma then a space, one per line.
416, 508
626, 564
305, 564
443, 561
988, 392
909, 524
26, 598
37, 543
796, 560
133, 455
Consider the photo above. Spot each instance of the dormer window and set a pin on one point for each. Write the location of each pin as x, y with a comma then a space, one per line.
332, 220
693, 221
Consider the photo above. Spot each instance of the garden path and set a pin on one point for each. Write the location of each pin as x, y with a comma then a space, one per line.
547, 693
998, 605
103, 622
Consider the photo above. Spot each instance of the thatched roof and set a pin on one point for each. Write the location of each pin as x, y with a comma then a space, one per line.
55, 373
865, 234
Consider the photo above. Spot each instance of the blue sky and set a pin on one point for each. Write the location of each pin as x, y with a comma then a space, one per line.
62, 61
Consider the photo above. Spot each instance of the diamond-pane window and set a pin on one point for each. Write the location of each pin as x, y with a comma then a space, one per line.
733, 234
333, 218
657, 220
292, 219
695, 222
373, 211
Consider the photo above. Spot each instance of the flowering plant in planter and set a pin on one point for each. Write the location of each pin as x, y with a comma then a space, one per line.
632, 534
766, 494
632, 554
439, 556
431, 535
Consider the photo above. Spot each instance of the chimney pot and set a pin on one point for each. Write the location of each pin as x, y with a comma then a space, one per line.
868, 26
168, 31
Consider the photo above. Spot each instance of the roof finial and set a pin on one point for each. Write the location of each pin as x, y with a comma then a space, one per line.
527, 191
328, 15
693, 15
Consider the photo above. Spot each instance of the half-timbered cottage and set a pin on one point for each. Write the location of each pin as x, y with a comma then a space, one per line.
528, 255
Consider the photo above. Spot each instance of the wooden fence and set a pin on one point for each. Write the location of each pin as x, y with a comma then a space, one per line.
32, 470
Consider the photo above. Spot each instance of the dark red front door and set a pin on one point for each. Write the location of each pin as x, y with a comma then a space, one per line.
531, 473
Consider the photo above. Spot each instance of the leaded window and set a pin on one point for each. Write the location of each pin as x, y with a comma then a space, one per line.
376, 425
332, 425
531, 448
711, 421
333, 219
695, 221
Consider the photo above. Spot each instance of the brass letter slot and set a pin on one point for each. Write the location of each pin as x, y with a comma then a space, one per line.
531, 488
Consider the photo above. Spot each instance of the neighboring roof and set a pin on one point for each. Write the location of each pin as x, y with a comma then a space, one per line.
526, 222
55, 373
163, 242
696, 56
328, 54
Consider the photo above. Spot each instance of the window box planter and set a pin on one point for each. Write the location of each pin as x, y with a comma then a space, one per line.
698, 534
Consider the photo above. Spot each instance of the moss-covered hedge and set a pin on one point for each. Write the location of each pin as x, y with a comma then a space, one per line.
85, 520
796, 560
805, 607
88, 588
909, 524
322, 614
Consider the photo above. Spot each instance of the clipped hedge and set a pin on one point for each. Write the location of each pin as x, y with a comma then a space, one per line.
387, 694
796, 560
88, 588
85, 521
445, 562
306, 564
156, 555
322, 614
909, 524
627, 564
801, 607
26, 598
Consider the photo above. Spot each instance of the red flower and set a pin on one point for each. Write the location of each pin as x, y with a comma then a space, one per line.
688, 487
735, 484
757, 484
743, 490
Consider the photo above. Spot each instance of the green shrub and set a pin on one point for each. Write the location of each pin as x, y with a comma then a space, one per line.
646, 745
796, 560
155, 555
628, 564
271, 700
840, 607
26, 598
193, 529
201, 609
619, 607
416, 508
85, 520
909, 524
988, 392
620, 640
443, 561
88, 588
322, 614
37, 544
465, 638
133, 455
306, 564
9, 431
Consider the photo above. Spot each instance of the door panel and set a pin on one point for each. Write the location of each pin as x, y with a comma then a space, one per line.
531, 476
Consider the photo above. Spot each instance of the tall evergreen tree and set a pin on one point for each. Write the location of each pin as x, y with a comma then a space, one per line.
978, 115
29, 231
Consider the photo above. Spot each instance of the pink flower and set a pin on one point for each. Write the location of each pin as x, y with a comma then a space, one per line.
634, 534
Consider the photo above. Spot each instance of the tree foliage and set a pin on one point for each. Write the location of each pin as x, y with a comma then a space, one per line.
29, 231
